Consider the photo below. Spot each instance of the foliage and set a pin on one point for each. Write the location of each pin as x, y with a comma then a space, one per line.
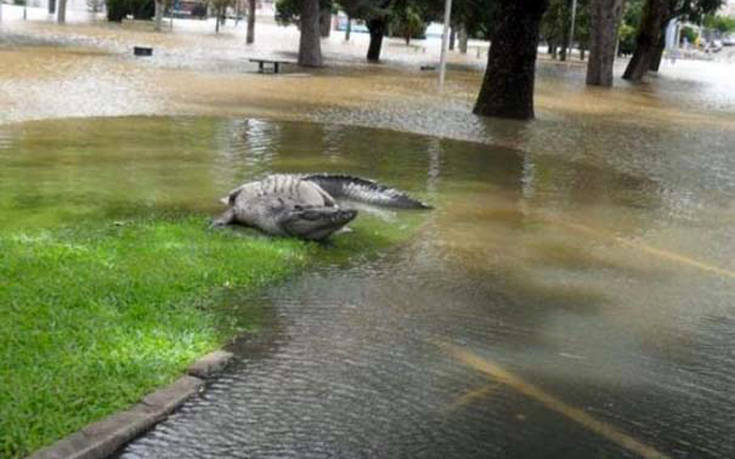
693, 10
288, 11
199, 11
689, 34
723, 24
407, 21
626, 39
139, 9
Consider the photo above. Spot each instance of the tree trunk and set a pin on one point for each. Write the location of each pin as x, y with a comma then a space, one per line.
51, 6
582, 51
310, 50
348, 29
61, 18
325, 23
659, 51
647, 39
551, 49
452, 37
566, 25
159, 15
463, 38
376, 26
507, 88
605, 18
250, 34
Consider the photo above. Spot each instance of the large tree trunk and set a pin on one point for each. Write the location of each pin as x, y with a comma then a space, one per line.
159, 14
605, 18
659, 51
647, 39
325, 23
250, 34
348, 29
310, 50
507, 88
452, 37
61, 18
376, 26
463, 38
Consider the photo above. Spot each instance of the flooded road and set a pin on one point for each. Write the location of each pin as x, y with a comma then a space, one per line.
571, 294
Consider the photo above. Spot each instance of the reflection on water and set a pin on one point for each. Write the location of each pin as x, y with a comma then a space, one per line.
572, 275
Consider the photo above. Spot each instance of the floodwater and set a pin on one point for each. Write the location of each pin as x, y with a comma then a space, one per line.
570, 295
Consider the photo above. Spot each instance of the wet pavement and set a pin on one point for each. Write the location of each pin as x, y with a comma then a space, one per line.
571, 294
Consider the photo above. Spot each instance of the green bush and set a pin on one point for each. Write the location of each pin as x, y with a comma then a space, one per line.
626, 35
117, 10
688, 33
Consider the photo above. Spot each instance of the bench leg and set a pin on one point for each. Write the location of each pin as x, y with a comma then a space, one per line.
275, 67
260, 67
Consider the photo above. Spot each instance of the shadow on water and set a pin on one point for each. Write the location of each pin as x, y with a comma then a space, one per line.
531, 261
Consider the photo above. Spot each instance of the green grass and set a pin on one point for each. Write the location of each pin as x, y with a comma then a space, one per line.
93, 316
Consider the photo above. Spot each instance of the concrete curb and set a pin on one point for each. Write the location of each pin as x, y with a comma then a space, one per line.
102, 438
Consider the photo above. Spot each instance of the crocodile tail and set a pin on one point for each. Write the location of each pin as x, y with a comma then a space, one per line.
364, 190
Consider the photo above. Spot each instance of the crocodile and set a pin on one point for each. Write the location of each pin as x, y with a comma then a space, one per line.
305, 205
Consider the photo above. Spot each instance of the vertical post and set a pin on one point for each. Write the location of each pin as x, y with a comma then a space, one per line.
571, 29
445, 44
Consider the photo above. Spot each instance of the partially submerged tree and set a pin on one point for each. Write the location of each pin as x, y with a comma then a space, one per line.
650, 37
160, 6
305, 14
507, 88
376, 14
61, 14
552, 26
605, 18
250, 35
220, 11
310, 51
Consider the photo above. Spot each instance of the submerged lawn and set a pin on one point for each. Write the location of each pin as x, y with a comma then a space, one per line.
95, 317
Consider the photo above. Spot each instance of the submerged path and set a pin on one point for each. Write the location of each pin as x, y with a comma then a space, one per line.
546, 308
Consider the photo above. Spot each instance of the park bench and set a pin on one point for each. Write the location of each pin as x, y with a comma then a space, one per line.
274, 62
142, 51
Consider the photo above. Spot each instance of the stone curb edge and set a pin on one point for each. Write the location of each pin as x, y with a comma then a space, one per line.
102, 438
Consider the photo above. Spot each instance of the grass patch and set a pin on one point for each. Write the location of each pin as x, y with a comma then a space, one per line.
94, 317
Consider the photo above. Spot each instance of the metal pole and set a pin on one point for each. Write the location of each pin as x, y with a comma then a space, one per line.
571, 30
445, 43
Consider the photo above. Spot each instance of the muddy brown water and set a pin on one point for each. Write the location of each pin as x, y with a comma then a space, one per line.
571, 294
